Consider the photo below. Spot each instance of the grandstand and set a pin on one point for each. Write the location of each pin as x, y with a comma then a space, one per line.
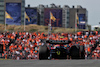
25, 45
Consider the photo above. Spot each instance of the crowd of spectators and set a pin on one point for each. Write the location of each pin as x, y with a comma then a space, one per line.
25, 45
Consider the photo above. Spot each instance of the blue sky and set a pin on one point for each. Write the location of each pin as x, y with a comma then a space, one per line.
91, 5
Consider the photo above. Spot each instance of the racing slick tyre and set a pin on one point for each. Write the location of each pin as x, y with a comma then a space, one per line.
43, 52
74, 52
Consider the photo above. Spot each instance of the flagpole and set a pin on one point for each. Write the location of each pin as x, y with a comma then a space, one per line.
49, 25
5, 21
24, 20
75, 21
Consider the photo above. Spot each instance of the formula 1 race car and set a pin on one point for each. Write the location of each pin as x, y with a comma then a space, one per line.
58, 51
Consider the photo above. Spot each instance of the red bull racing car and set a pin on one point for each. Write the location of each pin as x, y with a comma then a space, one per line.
57, 50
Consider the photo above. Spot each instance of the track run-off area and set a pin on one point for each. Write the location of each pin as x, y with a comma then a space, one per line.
49, 63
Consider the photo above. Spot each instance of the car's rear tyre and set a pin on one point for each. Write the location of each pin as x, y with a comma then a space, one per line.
43, 52
77, 52
74, 52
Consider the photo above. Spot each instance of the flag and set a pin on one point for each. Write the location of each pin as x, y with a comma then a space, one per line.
52, 17
77, 18
27, 17
77, 21
8, 16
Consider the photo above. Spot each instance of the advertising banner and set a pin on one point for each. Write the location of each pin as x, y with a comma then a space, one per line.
13, 13
57, 13
82, 19
32, 15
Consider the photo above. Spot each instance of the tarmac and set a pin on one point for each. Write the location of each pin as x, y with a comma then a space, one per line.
49, 63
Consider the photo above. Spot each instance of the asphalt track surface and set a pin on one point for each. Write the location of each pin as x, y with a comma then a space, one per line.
49, 63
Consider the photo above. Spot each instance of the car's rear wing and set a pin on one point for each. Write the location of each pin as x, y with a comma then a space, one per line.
58, 42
